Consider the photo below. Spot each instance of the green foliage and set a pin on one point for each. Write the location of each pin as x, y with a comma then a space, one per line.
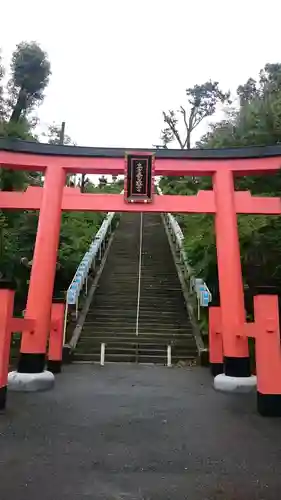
77, 232
18, 240
30, 71
257, 121
2, 100
55, 136
269, 82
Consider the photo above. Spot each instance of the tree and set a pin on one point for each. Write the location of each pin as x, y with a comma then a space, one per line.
268, 84
248, 91
202, 102
2, 101
102, 181
30, 71
256, 121
57, 135
18, 228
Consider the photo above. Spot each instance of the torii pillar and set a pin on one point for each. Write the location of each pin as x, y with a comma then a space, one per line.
235, 344
32, 358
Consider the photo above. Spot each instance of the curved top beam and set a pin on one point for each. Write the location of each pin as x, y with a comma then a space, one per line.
18, 146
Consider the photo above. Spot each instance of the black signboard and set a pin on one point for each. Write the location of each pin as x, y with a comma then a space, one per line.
139, 178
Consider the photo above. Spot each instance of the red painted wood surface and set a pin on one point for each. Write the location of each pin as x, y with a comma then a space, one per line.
229, 267
56, 333
203, 202
215, 336
40, 293
6, 312
268, 352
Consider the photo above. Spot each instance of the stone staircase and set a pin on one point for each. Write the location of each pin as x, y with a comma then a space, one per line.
163, 319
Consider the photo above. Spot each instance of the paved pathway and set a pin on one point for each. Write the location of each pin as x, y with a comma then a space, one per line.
137, 433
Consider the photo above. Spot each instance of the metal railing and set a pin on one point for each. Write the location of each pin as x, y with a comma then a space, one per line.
89, 263
196, 285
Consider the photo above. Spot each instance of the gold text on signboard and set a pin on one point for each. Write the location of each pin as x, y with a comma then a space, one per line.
139, 177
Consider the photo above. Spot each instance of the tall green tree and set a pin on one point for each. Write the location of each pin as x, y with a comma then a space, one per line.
30, 72
2, 100
268, 83
29, 76
202, 101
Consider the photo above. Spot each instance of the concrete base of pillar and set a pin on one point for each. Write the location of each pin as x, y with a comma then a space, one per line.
30, 382
224, 383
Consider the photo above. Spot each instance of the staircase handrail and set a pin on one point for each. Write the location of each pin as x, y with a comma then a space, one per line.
95, 249
197, 285
86, 263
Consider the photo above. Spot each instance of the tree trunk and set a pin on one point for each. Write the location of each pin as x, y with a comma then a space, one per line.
83, 183
19, 107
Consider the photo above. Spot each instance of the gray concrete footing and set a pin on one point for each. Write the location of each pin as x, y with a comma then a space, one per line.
30, 382
224, 383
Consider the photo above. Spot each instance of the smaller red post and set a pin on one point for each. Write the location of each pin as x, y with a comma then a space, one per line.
268, 355
6, 313
215, 341
56, 338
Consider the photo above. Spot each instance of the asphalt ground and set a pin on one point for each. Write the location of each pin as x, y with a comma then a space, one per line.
129, 432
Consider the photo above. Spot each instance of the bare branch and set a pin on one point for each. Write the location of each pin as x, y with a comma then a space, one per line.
172, 121
202, 102
183, 112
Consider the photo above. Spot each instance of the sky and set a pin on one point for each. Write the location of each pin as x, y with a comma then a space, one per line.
117, 64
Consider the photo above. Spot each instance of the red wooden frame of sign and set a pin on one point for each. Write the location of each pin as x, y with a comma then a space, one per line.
131, 192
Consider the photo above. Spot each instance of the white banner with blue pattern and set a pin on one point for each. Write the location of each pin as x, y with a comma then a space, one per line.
82, 272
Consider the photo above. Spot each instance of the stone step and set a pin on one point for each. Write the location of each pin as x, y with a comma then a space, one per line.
146, 291
143, 329
147, 295
176, 315
92, 329
151, 308
169, 322
138, 350
177, 340
145, 278
131, 302
124, 319
131, 358
107, 311
125, 349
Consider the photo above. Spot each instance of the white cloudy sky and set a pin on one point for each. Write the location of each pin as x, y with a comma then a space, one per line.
116, 64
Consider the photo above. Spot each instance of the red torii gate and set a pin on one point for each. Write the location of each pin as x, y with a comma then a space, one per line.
229, 321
